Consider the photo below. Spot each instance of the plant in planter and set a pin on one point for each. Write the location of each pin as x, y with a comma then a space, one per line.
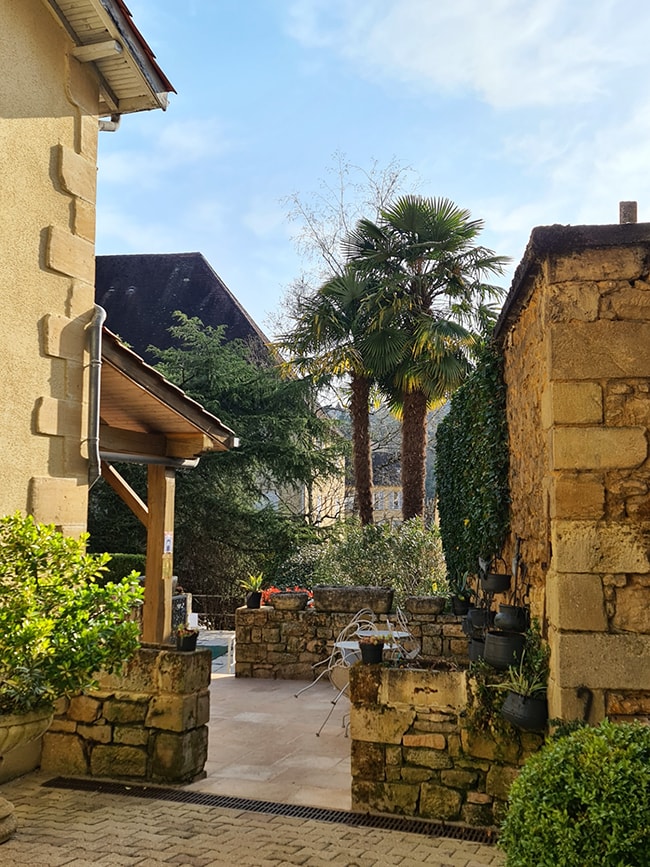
58, 626
186, 638
253, 587
461, 593
525, 703
372, 648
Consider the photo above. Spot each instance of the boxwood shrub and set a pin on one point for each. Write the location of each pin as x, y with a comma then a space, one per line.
583, 799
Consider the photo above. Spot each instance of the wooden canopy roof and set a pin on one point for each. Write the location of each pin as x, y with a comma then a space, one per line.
143, 415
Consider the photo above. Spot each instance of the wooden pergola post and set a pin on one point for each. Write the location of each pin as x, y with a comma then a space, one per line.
157, 611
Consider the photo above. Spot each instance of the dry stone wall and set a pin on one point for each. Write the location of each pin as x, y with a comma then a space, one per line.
412, 754
150, 724
287, 644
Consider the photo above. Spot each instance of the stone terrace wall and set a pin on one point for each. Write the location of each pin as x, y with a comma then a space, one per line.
286, 644
411, 754
575, 333
148, 725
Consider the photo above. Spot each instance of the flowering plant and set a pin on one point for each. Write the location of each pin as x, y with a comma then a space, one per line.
184, 629
375, 638
266, 594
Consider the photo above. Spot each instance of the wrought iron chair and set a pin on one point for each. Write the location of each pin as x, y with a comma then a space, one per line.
345, 652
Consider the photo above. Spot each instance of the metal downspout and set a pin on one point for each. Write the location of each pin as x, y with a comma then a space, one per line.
94, 394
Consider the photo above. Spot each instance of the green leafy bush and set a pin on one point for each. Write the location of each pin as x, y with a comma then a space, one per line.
121, 566
58, 626
407, 557
584, 799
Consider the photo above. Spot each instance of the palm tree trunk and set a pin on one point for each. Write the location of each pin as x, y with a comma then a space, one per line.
414, 443
362, 461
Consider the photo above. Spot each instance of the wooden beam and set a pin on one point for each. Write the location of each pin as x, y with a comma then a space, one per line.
97, 51
157, 612
113, 439
126, 493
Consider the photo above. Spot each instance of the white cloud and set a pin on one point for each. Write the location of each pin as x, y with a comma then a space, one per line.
177, 145
508, 52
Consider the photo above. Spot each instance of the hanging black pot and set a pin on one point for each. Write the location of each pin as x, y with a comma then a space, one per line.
527, 712
503, 649
254, 599
495, 582
480, 617
476, 649
511, 618
459, 605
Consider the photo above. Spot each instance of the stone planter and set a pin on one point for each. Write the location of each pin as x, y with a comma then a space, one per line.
425, 604
19, 729
292, 600
16, 730
352, 599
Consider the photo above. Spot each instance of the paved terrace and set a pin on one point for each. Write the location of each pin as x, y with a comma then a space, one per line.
262, 747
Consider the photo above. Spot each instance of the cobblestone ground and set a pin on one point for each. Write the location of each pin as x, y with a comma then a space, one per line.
83, 829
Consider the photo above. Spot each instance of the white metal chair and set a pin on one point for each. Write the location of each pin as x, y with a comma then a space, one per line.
404, 645
345, 652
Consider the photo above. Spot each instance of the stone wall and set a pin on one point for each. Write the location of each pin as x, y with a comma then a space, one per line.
287, 644
150, 724
575, 333
412, 755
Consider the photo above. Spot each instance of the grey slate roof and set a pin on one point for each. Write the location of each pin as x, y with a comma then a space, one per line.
141, 292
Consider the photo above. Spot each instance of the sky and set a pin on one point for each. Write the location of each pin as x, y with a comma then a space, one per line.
525, 112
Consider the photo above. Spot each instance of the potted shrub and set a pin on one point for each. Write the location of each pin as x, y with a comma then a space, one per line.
372, 648
186, 638
460, 592
253, 587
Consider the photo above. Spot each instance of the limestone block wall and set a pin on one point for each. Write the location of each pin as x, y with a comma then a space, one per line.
575, 333
412, 755
150, 724
287, 644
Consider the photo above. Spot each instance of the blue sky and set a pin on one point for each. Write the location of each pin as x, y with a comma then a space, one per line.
526, 112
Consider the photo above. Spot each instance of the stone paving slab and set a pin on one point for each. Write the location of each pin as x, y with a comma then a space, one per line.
67, 828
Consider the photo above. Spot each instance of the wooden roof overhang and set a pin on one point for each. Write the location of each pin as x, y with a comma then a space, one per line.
105, 36
146, 419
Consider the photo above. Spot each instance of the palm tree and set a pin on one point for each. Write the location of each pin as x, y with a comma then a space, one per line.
428, 274
331, 337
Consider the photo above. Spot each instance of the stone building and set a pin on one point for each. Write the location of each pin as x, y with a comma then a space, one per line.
575, 332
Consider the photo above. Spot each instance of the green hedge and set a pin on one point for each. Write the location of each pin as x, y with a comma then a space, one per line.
472, 469
583, 800
121, 565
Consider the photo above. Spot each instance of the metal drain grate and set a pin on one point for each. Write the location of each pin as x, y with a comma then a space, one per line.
341, 817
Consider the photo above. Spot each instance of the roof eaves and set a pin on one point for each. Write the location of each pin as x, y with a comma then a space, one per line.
129, 363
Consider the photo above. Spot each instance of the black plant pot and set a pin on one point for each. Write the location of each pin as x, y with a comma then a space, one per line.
495, 583
503, 649
529, 713
371, 654
479, 617
186, 642
254, 599
476, 649
511, 618
459, 605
